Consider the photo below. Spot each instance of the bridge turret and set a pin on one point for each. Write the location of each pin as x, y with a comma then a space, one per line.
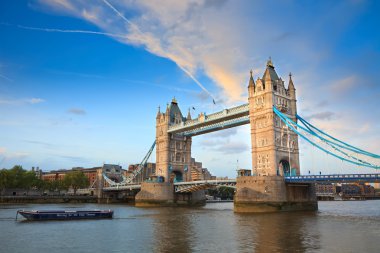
251, 85
158, 113
270, 77
188, 115
291, 89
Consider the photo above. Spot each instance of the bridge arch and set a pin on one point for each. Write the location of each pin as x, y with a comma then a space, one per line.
176, 176
284, 168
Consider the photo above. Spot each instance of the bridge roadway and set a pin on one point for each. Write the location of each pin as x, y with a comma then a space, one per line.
205, 184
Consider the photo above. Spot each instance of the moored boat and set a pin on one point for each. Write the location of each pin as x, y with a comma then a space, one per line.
39, 215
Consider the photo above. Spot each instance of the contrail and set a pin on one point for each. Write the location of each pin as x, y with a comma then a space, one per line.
122, 16
196, 81
66, 31
137, 28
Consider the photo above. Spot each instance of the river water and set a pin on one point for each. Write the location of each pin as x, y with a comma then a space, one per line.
340, 226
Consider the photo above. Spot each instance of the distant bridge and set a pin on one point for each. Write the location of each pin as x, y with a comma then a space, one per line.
336, 178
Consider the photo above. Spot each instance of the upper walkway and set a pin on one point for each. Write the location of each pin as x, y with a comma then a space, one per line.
232, 117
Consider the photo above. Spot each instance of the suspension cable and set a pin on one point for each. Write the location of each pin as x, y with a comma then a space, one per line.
293, 126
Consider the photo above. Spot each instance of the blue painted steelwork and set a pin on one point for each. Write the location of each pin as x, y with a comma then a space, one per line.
337, 178
128, 180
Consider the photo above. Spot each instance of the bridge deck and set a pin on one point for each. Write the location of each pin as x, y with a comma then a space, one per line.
204, 184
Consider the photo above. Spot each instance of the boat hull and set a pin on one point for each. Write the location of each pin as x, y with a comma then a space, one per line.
65, 215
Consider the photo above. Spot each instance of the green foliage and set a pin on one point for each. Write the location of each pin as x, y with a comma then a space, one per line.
222, 192
76, 179
17, 177
4, 179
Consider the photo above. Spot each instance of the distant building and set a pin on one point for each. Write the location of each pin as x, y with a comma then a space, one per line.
37, 172
197, 172
113, 172
147, 171
244, 172
325, 188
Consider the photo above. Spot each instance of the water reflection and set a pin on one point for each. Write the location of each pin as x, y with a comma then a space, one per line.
337, 227
276, 232
172, 230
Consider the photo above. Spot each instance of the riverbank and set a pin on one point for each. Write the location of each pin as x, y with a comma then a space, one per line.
60, 199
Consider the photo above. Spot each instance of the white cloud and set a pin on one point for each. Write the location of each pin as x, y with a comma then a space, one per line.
194, 34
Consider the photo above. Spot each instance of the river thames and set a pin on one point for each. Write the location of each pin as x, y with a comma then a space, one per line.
338, 226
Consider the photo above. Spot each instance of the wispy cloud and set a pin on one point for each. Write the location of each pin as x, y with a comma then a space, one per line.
48, 145
77, 111
21, 101
224, 146
35, 100
224, 142
344, 86
321, 115
186, 32
76, 159
6, 78
6, 155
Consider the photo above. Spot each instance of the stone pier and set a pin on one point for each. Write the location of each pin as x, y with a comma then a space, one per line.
162, 194
256, 194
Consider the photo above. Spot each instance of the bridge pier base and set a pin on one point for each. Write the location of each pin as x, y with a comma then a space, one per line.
197, 198
155, 194
162, 194
256, 194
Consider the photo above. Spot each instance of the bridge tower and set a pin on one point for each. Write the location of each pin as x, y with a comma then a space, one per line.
173, 158
274, 150
274, 146
173, 151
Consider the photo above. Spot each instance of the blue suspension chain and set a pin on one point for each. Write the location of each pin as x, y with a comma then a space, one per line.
291, 125
349, 147
328, 142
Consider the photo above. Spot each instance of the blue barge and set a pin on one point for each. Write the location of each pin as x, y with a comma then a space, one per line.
65, 215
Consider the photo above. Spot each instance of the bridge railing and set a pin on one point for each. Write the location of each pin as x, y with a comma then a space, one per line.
207, 182
335, 177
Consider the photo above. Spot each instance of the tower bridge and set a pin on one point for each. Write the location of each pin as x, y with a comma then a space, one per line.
276, 184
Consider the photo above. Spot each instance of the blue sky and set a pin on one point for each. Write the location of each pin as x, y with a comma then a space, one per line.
81, 81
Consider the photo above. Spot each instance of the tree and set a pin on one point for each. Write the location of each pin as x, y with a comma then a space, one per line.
16, 177
76, 179
4, 180
29, 180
